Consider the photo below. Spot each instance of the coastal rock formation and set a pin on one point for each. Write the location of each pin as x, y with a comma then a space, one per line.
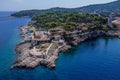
44, 40
31, 60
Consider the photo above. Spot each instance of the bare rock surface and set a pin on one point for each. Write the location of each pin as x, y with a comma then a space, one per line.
27, 60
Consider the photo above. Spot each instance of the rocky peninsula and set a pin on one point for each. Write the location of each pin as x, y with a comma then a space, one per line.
50, 33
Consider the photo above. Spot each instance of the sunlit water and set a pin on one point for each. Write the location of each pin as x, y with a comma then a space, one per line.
92, 60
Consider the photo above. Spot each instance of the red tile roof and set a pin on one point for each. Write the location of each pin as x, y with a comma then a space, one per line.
41, 39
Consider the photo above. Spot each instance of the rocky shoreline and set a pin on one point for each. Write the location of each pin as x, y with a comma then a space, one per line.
28, 60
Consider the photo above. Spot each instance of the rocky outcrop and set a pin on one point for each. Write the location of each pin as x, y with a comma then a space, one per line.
76, 38
28, 60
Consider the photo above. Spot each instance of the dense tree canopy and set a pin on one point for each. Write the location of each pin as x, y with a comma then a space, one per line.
67, 20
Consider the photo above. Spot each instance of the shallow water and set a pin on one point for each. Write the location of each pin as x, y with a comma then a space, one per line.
92, 60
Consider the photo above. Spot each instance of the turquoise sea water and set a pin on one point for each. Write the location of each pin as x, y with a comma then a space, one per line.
97, 59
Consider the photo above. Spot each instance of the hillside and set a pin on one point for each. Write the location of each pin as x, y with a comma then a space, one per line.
108, 7
104, 9
70, 21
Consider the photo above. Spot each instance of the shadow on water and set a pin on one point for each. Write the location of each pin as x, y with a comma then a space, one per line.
107, 40
92, 44
86, 44
71, 51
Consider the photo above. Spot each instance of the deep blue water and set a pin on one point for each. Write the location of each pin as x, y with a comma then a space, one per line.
92, 60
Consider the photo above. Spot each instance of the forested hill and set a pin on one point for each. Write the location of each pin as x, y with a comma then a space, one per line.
70, 21
112, 7
26, 13
108, 7
31, 13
